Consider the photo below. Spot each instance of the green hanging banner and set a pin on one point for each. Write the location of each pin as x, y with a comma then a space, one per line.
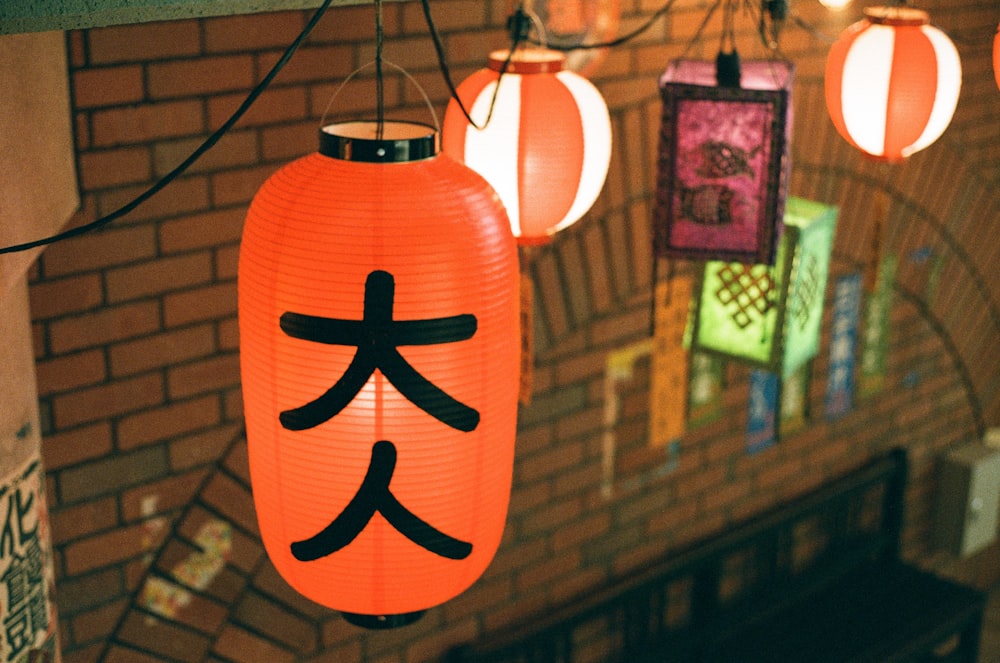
794, 400
705, 388
875, 337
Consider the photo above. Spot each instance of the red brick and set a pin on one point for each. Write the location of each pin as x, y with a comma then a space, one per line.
184, 195
108, 168
150, 41
201, 76
107, 400
202, 448
313, 63
70, 523
104, 549
97, 623
70, 371
147, 122
238, 186
208, 303
165, 495
231, 500
244, 33
68, 448
107, 86
161, 350
202, 230
158, 277
227, 262
203, 376
235, 148
228, 334
53, 298
166, 422
112, 246
289, 142
240, 645
105, 326
274, 105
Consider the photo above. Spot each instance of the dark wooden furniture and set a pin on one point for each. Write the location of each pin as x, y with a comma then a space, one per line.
817, 580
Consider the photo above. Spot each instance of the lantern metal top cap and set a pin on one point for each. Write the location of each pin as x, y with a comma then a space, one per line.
897, 16
529, 61
370, 141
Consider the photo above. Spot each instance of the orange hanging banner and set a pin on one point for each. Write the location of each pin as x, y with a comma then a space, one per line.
670, 361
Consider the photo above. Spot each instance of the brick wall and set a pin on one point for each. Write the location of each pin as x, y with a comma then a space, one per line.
137, 348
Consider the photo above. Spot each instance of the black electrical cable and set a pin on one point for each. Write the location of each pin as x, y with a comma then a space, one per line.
194, 156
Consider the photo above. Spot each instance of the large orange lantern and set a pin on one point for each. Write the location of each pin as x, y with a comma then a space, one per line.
547, 145
378, 312
892, 82
996, 56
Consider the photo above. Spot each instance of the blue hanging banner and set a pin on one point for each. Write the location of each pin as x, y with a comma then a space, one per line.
763, 410
843, 341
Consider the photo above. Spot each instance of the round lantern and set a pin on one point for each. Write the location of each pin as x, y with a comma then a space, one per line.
379, 334
996, 56
547, 144
892, 82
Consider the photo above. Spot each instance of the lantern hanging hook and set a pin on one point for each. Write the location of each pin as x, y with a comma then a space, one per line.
390, 63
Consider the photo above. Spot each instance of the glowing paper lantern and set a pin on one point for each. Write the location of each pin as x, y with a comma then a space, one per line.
378, 310
770, 316
996, 56
892, 82
723, 161
547, 145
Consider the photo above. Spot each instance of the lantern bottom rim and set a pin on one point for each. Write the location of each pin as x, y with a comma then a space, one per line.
382, 621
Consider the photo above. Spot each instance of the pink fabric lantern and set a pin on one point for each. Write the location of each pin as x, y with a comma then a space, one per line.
723, 161
547, 145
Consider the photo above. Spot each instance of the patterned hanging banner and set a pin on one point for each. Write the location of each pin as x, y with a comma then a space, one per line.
794, 410
705, 388
763, 410
843, 341
875, 339
670, 361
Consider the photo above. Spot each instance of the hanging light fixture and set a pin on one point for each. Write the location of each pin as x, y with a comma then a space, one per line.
378, 316
546, 145
723, 159
892, 82
996, 55
769, 316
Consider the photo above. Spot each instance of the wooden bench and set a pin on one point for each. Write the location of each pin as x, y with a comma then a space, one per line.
817, 580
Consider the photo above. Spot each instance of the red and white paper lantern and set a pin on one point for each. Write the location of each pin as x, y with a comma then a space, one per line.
892, 82
547, 145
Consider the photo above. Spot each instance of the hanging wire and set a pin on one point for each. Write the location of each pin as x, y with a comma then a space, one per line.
517, 24
379, 78
194, 156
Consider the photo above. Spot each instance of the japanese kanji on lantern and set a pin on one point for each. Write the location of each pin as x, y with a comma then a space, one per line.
378, 302
546, 145
723, 162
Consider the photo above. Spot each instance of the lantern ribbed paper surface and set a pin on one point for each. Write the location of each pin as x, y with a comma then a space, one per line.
547, 146
723, 161
770, 316
892, 82
379, 333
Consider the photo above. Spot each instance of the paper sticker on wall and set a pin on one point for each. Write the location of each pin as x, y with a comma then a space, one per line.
167, 597
762, 411
843, 340
875, 338
794, 404
670, 362
26, 574
705, 388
